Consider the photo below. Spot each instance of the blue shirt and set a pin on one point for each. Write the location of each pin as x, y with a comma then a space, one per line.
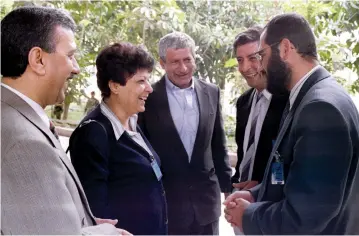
184, 110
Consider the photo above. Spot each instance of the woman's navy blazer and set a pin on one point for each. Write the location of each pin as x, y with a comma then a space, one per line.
117, 176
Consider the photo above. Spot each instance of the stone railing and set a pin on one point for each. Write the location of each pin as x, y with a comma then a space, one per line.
64, 127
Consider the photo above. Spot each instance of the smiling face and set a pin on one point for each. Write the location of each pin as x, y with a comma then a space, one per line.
60, 65
179, 66
133, 95
249, 66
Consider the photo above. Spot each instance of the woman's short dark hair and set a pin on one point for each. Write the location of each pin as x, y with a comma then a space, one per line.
119, 62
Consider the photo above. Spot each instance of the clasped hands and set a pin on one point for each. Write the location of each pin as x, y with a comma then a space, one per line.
236, 204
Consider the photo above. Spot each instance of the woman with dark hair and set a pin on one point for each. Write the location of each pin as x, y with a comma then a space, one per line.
117, 166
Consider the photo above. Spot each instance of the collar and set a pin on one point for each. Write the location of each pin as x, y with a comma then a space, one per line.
171, 86
35, 106
295, 90
266, 94
116, 124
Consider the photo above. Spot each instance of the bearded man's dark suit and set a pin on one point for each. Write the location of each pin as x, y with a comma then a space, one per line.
319, 147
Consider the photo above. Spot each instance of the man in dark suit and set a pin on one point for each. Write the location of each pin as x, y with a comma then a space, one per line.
258, 114
183, 122
311, 183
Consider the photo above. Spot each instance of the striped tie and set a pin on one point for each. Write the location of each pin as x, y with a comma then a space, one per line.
246, 167
254, 122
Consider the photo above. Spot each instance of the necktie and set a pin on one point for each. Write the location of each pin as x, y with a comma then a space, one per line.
246, 167
254, 122
284, 115
52, 129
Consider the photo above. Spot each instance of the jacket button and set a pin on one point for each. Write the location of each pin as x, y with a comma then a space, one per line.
163, 193
166, 222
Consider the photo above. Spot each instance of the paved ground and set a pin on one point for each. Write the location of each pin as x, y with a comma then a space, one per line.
224, 228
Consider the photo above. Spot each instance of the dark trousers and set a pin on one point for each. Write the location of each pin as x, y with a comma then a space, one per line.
195, 229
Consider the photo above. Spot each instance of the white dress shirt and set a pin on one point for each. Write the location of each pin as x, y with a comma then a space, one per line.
184, 110
261, 107
295, 90
37, 108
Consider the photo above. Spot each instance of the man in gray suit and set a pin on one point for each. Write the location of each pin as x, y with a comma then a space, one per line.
40, 191
311, 183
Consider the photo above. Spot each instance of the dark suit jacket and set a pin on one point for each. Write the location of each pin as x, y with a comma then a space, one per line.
268, 132
192, 188
319, 146
117, 176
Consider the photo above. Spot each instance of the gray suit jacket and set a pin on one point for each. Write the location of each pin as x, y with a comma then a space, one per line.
40, 191
319, 146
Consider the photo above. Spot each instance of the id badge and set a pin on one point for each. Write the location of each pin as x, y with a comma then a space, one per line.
156, 169
277, 173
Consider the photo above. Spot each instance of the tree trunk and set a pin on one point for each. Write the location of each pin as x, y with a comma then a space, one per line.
66, 110
222, 83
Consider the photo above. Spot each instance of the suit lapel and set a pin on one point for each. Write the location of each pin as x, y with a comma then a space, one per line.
314, 78
24, 108
204, 113
248, 106
166, 124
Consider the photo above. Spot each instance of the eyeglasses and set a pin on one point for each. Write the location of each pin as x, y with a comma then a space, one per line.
259, 54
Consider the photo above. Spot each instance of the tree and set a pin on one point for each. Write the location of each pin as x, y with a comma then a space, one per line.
103, 22
336, 27
212, 24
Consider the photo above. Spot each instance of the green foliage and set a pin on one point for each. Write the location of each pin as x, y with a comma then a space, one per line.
230, 130
212, 24
336, 26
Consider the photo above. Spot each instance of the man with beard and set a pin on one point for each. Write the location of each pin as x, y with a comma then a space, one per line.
183, 122
311, 183
258, 114
40, 191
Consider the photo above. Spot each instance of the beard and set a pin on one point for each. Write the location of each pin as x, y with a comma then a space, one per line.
278, 75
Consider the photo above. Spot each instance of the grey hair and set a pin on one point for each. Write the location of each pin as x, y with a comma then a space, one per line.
175, 40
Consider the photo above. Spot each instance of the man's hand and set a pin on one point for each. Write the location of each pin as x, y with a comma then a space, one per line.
124, 232
234, 215
102, 221
246, 195
112, 222
245, 185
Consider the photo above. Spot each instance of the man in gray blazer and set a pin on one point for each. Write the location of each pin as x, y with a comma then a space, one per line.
40, 191
311, 183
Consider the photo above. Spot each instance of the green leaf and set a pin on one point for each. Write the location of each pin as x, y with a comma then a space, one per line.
230, 63
84, 22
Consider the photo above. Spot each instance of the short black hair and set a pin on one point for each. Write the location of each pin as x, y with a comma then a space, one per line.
25, 28
296, 29
251, 35
119, 62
